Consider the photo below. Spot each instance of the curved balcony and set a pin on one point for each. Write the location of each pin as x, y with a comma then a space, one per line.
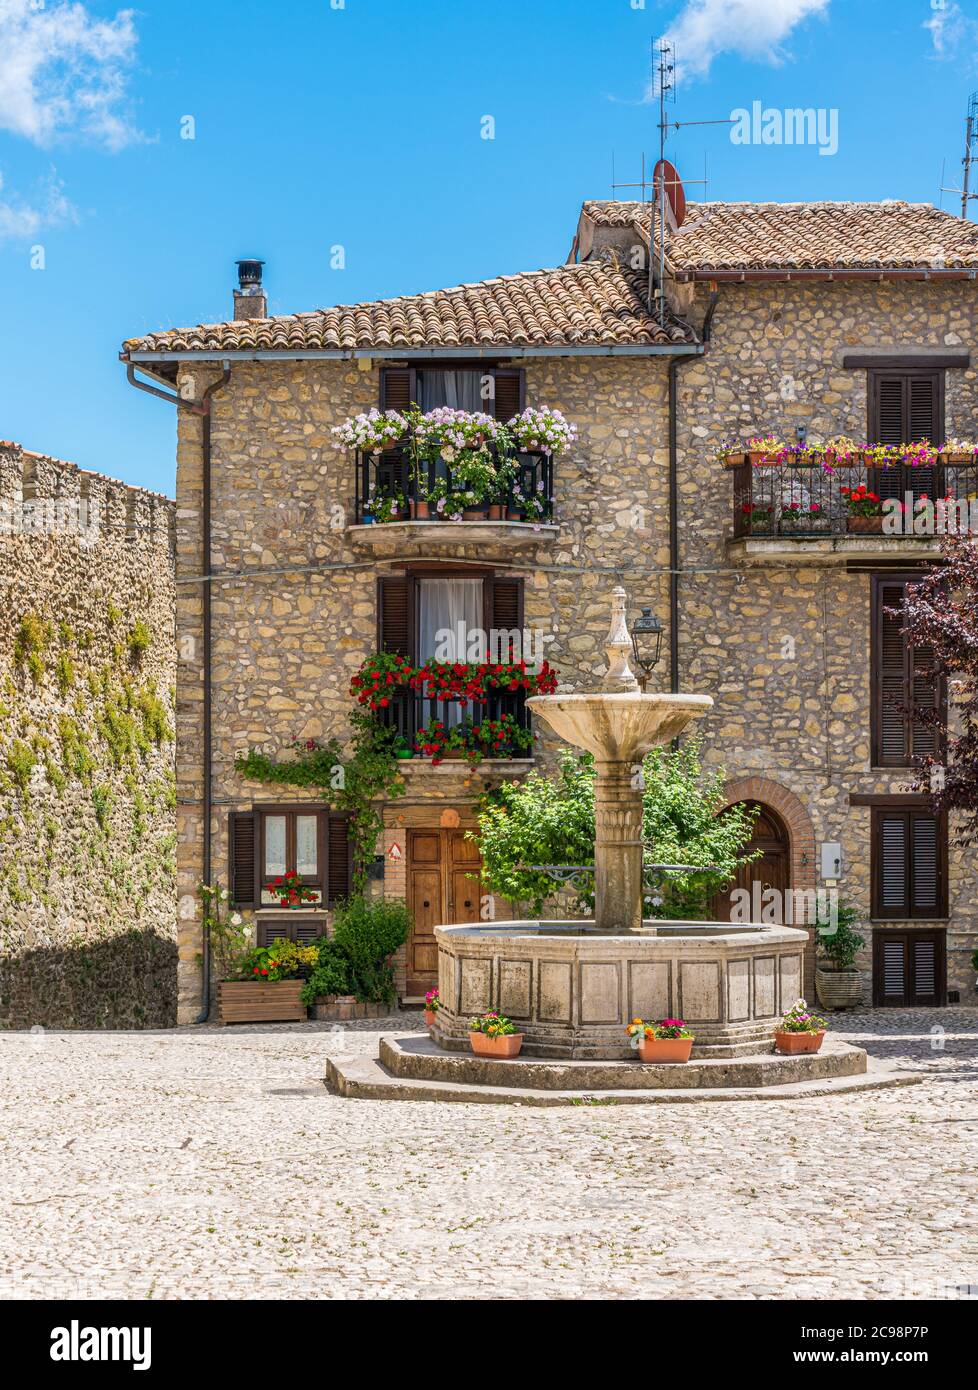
391, 506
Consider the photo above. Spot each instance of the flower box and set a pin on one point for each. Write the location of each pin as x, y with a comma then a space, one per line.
506, 1045
246, 1001
864, 525
792, 1044
665, 1049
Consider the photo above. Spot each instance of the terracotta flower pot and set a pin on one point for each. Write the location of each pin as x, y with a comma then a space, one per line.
514, 514
793, 1043
665, 1049
507, 1046
496, 511
864, 525
429, 1017
759, 456
420, 510
473, 514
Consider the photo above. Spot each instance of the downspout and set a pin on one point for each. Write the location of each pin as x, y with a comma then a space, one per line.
203, 409
674, 559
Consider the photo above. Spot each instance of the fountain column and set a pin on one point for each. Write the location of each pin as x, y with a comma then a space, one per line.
618, 842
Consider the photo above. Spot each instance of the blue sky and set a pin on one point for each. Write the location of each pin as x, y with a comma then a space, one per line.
319, 123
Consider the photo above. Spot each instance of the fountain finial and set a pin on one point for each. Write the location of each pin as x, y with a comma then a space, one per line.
620, 679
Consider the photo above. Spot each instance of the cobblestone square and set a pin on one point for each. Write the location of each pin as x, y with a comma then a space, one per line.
208, 1163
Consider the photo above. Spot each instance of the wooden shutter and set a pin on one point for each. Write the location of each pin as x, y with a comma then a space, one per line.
906, 406
510, 395
904, 679
909, 968
398, 388
395, 615
504, 605
909, 852
303, 930
242, 867
339, 868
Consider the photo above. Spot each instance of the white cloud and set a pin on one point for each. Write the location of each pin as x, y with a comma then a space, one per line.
951, 31
753, 29
21, 219
64, 72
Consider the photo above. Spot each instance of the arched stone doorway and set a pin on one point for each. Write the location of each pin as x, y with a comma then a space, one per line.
770, 870
785, 835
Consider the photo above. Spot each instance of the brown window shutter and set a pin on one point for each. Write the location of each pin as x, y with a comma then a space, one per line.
510, 392
891, 678
910, 863
398, 388
241, 858
395, 615
504, 605
909, 968
906, 406
925, 865
302, 930
891, 845
339, 870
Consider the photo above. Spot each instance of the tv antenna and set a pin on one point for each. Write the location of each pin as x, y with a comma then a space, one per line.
668, 196
970, 156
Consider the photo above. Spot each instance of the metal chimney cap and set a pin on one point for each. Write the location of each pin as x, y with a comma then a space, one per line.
249, 272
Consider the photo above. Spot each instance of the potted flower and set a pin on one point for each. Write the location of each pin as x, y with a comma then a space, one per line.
432, 1003
493, 1035
541, 431
669, 1040
802, 516
959, 451
371, 432
402, 749
837, 981
731, 453
762, 448
864, 511
757, 517
291, 891
388, 508
267, 984
800, 1031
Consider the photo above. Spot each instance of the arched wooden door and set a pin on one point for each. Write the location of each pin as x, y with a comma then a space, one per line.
772, 869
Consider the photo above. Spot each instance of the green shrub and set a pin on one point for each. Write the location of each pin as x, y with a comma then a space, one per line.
33, 635
156, 726
21, 760
103, 799
64, 672
368, 934
331, 974
839, 947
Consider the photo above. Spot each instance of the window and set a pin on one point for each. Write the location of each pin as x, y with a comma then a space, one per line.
499, 391
904, 683
270, 841
909, 862
412, 608
906, 406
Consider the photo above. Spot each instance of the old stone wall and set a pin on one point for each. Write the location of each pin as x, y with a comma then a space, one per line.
786, 651
87, 793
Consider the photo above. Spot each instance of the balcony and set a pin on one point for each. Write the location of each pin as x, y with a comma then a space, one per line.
801, 513
397, 502
411, 712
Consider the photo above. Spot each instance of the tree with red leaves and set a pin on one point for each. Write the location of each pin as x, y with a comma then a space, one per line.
942, 612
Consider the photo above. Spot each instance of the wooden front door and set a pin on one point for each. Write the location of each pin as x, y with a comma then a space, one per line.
441, 889
771, 870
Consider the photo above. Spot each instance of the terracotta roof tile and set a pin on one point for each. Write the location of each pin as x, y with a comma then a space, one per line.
805, 236
596, 304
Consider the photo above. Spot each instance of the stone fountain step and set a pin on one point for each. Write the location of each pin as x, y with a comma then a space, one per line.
363, 1078
415, 1068
421, 1059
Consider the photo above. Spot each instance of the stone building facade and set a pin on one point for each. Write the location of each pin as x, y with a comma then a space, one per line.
780, 635
87, 794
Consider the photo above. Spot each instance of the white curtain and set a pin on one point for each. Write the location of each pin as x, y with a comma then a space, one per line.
450, 616
460, 390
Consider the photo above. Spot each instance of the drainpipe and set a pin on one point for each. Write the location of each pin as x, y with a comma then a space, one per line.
674, 560
203, 409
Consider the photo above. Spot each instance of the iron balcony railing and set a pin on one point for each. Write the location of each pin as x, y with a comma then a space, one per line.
411, 710
393, 471
808, 501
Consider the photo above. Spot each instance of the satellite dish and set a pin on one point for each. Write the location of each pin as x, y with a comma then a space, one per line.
665, 176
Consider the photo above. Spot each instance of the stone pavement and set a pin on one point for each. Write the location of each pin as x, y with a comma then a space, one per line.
211, 1162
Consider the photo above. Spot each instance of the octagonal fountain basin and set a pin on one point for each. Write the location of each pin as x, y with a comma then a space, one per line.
572, 989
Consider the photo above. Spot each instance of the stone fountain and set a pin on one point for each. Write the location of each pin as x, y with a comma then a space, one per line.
572, 986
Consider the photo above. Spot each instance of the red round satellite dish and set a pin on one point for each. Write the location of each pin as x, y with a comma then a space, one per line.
667, 174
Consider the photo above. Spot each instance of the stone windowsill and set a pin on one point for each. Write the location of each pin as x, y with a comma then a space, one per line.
423, 766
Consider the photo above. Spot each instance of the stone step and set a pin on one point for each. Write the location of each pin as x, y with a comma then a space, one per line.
363, 1078
417, 1057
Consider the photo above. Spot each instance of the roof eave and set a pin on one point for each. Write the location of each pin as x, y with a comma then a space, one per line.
410, 353
830, 273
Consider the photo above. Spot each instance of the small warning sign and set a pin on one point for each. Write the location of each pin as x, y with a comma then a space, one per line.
394, 852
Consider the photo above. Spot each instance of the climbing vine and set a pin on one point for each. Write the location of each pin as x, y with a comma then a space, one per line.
352, 785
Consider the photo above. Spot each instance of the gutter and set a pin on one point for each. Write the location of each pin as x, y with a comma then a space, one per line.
403, 353
203, 409
862, 273
674, 556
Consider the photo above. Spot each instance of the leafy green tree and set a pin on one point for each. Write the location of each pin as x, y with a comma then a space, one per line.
550, 820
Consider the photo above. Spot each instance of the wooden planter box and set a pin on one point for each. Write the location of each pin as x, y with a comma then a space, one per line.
338, 1008
242, 1001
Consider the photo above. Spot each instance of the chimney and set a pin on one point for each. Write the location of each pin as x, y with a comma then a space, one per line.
249, 297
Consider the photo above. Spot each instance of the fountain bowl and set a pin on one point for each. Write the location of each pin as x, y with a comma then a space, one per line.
619, 727
571, 989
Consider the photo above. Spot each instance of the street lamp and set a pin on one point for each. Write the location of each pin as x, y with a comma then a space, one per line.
646, 642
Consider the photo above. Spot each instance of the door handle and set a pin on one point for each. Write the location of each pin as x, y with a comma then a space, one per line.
426, 903
467, 903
